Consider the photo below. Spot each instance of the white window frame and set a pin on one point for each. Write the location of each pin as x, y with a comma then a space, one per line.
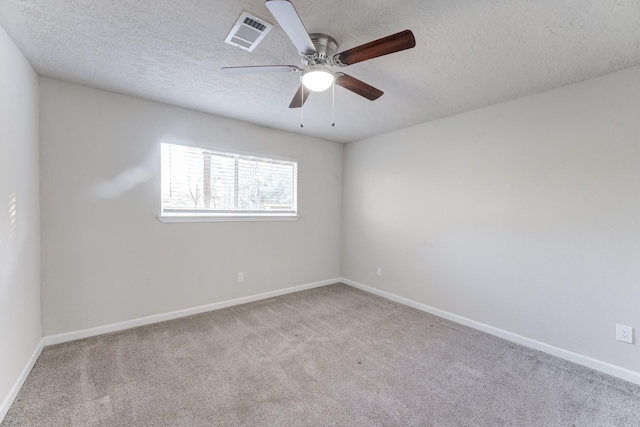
175, 215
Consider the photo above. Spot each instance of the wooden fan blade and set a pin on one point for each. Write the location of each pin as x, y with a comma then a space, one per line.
358, 86
384, 46
300, 97
290, 21
261, 69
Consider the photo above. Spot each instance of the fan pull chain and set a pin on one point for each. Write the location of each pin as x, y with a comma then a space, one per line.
333, 104
301, 104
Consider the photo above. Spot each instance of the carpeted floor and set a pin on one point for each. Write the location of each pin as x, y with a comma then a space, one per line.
332, 356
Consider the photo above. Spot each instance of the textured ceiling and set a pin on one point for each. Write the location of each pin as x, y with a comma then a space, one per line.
469, 54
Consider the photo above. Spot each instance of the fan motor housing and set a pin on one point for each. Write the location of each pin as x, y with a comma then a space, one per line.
326, 46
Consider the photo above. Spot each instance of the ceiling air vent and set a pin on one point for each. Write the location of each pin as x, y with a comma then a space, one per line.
248, 32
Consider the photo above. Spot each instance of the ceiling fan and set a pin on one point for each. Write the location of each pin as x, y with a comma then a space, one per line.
318, 53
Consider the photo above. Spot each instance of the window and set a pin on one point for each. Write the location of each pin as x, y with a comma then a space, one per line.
202, 184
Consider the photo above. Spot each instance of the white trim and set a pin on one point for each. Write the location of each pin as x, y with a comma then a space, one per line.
213, 218
8, 400
220, 149
128, 324
598, 365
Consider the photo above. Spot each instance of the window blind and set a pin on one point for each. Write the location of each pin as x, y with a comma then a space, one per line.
198, 182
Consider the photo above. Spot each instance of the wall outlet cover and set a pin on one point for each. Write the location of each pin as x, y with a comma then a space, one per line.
624, 333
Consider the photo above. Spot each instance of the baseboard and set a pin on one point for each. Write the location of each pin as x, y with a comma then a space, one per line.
598, 365
128, 324
8, 400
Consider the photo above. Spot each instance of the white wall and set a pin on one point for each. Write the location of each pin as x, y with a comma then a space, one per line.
20, 329
110, 260
524, 215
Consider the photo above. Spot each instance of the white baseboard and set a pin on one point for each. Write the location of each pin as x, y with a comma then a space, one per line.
8, 400
128, 324
598, 365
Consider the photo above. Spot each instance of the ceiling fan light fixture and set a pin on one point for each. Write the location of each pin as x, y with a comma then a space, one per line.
318, 79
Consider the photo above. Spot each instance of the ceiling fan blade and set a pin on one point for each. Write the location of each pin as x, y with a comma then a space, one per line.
290, 21
358, 86
384, 46
261, 69
300, 97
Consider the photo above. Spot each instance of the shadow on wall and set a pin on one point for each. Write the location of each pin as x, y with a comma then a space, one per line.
10, 248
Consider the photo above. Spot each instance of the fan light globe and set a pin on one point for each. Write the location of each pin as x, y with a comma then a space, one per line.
317, 79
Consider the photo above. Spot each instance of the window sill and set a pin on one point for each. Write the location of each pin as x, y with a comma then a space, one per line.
225, 218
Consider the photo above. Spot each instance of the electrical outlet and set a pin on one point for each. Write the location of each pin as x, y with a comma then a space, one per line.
240, 277
379, 271
624, 333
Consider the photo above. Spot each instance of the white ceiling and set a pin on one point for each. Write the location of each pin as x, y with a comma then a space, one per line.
469, 54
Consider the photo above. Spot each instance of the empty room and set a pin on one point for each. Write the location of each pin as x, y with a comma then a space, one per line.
319, 213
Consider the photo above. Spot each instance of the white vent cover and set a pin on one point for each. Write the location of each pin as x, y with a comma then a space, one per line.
248, 32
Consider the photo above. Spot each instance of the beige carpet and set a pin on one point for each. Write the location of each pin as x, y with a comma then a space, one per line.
332, 356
